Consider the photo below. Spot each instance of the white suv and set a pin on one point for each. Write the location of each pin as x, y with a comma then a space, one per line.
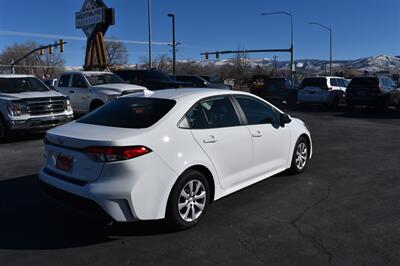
90, 90
27, 104
322, 90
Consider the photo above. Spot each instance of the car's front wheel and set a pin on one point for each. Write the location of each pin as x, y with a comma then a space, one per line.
301, 154
3, 129
188, 200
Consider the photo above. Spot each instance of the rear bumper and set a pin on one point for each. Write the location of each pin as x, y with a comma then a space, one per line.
82, 205
316, 98
131, 190
364, 100
40, 123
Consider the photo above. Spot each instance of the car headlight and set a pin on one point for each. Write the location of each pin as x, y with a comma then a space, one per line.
110, 98
17, 109
67, 105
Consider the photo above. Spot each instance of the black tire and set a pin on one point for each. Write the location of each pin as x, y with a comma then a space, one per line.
335, 102
174, 217
3, 129
95, 104
295, 167
383, 105
351, 107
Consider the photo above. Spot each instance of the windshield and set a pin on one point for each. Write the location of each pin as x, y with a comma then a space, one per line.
18, 85
130, 112
100, 79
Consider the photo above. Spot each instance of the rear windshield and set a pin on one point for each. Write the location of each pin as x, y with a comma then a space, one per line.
130, 112
364, 82
18, 85
314, 82
100, 79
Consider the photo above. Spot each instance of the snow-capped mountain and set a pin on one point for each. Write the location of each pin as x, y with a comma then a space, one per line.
370, 64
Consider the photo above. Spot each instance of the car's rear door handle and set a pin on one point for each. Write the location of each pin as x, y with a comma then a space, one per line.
211, 139
71, 91
257, 134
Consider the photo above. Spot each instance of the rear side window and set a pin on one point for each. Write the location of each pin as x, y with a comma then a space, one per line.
364, 82
64, 81
314, 82
213, 113
257, 112
130, 112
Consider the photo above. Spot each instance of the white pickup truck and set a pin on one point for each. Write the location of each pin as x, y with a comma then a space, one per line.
27, 104
90, 90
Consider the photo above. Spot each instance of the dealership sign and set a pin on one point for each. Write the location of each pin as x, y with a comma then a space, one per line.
91, 15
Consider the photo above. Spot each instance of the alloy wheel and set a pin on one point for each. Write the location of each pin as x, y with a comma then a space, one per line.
192, 201
301, 155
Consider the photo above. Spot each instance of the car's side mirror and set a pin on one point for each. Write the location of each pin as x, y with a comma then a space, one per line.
284, 119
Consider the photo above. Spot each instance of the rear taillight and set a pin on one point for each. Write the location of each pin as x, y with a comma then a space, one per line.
112, 154
329, 88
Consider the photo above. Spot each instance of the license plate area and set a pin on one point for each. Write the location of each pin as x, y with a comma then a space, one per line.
64, 163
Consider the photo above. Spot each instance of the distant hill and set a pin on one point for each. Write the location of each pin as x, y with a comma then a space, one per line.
370, 64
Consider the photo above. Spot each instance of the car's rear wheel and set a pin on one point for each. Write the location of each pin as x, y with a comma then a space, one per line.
301, 155
188, 200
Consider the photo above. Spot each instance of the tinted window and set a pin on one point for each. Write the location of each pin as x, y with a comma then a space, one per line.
364, 82
131, 112
334, 82
257, 112
64, 81
213, 113
314, 82
18, 85
78, 82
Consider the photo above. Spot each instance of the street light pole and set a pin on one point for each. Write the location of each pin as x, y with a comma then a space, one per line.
292, 66
149, 29
330, 44
173, 44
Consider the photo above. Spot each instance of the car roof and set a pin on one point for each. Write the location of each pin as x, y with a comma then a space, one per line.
85, 72
16, 76
192, 93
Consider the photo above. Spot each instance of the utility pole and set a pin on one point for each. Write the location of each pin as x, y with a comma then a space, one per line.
173, 44
330, 44
292, 65
275, 63
149, 29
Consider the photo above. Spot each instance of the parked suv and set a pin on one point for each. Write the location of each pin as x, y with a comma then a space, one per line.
322, 90
379, 92
151, 79
26, 103
277, 90
90, 90
200, 82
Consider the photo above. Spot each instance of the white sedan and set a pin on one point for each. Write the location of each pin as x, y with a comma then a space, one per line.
170, 153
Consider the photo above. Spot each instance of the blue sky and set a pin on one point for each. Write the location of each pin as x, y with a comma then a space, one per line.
361, 27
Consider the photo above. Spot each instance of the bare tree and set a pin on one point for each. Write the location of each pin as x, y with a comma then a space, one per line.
42, 66
117, 53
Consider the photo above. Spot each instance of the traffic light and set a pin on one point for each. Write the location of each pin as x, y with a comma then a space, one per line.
50, 50
206, 55
41, 52
217, 55
61, 46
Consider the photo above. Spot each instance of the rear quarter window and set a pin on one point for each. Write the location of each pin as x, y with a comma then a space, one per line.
130, 112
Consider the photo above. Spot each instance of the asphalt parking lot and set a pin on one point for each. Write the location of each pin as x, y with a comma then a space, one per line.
343, 210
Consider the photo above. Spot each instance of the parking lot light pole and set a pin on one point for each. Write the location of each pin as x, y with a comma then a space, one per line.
149, 30
292, 66
330, 43
173, 44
